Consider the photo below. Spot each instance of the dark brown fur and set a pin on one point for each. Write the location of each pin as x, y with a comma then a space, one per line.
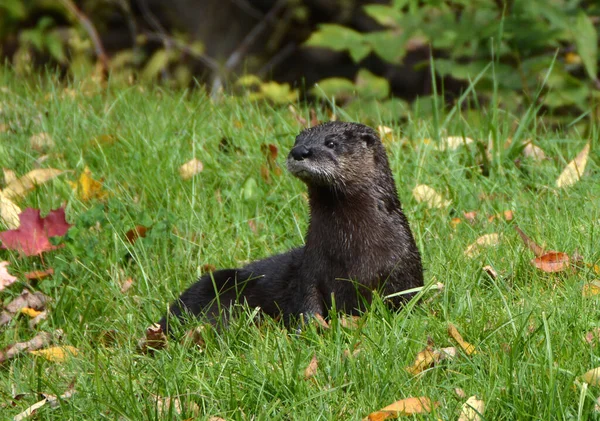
358, 239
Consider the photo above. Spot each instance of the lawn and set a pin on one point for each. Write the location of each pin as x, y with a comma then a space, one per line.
534, 333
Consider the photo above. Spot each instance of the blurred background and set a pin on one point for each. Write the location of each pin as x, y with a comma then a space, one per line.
383, 52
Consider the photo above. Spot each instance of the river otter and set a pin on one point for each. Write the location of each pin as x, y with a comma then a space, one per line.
358, 238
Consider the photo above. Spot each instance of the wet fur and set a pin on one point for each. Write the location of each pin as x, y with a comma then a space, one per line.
358, 238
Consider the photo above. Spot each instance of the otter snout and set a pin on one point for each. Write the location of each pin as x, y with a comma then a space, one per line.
300, 152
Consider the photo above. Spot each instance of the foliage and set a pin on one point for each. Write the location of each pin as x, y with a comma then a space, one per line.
521, 39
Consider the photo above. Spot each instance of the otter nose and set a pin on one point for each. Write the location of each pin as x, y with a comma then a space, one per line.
300, 152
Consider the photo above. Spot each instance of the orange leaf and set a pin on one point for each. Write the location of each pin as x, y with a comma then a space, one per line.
38, 275
408, 406
135, 233
552, 261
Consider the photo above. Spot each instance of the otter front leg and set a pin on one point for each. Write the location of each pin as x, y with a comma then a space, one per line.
312, 304
207, 296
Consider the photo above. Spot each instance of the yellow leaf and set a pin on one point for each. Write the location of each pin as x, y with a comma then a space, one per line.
41, 141
9, 212
467, 347
424, 193
386, 134
591, 289
20, 186
424, 359
534, 152
453, 142
572, 58
574, 169
408, 406
87, 188
472, 409
9, 175
28, 311
56, 354
592, 377
190, 169
487, 240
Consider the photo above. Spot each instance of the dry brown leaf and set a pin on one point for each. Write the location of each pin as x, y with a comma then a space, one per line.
534, 152
470, 216
311, 369
487, 240
574, 169
408, 406
490, 271
589, 289
20, 186
155, 339
592, 377
40, 340
536, 249
87, 188
133, 234
424, 193
190, 169
57, 354
460, 393
173, 405
37, 319
6, 278
349, 321
552, 261
195, 336
467, 347
314, 120
593, 336
472, 410
41, 141
38, 275
126, 285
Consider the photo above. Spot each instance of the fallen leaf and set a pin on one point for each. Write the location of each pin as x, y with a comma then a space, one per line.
37, 319
301, 120
593, 336
41, 141
30, 411
487, 240
592, 377
454, 222
508, 215
57, 354
490, 271
470, 216
9, 212
408, 406
467, 347
311, 369
190, 169
40, 340
87, 188
168, 405
574, 169
426, 194
207, 267
472, 410
589, 289
126, 285
314, 120
386, 134
424, 359
533, 152
460, 393
34, 232
20, 186
37, 301
30, 312
349, 321
195, 336
133, 234
38, 275
536, 249
6, 278
453, 142
552, 261
155, 339
9, 175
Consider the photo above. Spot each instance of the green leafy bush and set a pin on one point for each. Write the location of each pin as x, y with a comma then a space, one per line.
522, 39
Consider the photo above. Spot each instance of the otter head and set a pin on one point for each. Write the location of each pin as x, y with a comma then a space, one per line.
338, 155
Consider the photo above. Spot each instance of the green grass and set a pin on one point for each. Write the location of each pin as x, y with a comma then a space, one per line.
528, 326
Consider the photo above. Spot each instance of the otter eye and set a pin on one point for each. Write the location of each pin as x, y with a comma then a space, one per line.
330, 144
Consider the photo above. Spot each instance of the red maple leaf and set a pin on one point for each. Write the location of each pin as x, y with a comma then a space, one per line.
34, 232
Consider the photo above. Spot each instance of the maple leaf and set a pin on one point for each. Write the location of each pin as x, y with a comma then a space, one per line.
34, 232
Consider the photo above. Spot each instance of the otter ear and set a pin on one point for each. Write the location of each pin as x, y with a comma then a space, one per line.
369, 139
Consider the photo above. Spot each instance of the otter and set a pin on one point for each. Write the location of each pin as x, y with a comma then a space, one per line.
358, 238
